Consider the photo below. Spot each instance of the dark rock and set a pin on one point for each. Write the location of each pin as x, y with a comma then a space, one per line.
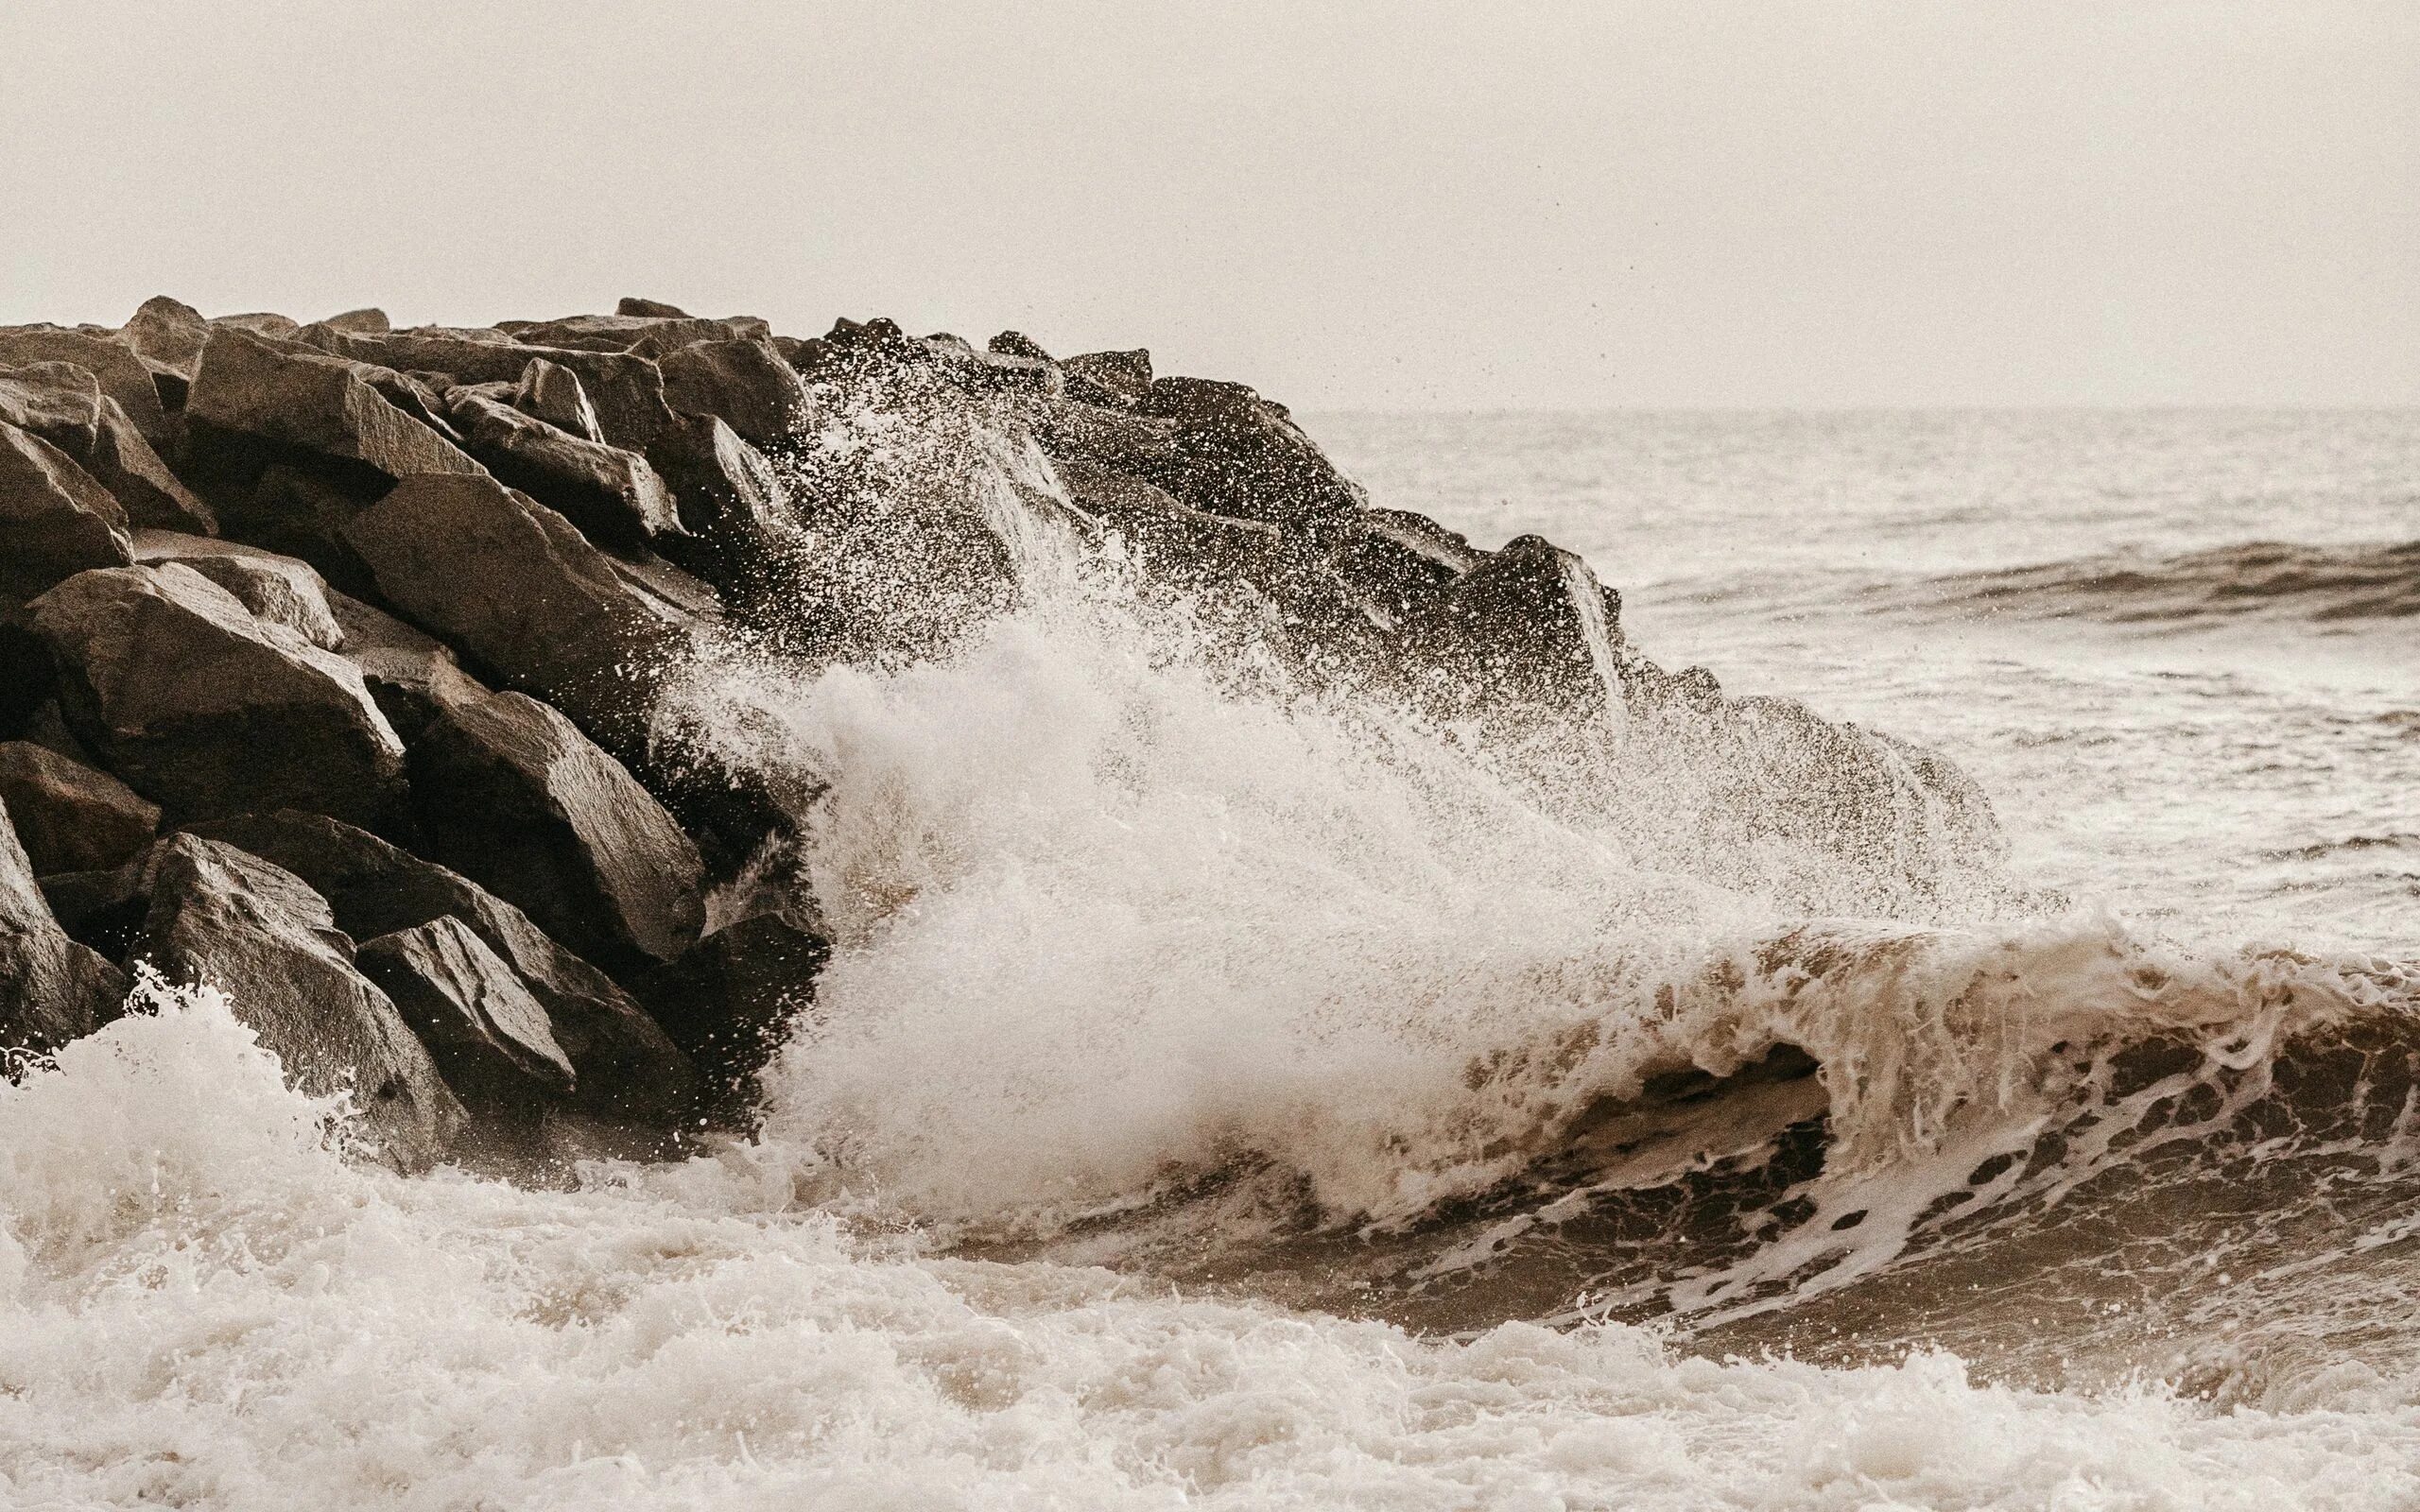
204, 709
100, 910
1170, 538
620, 332
362, 319
1400, 562
55, 521
489, 1037
552, 392
744, 382
1240, 455
627, 1069
222, 917
511, 794
52, 989
300, 512
1116, 379
123, 462
70, 816
314, 404
278, 589
122, 375
732, 1000
1017, 344
627, 391
1528, 627
511, 584
735, 513
614, 496
654, 309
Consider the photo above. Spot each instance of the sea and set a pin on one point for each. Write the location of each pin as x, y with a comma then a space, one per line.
1226, 1095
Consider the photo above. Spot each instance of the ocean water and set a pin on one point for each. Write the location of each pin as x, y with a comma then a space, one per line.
1223, 1095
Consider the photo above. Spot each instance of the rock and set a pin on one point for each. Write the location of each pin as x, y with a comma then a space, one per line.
168, 336
56, 401
620, 332
489, 1037
627, 1069
1187, 543
257, 931
258, 323
1119, 380
314, 404
511, 584
732, 1000
735, 513
55, 521
52, 989
1241, 455
654, 308
204, 709
744, 383
69, 816
614, 496
123, 462
298, 512
1017, 344
552, 392
278, 589
511, 795
100, 910
409, 673
362, 319
627, 391
1528, 627
1400, 562
122, 375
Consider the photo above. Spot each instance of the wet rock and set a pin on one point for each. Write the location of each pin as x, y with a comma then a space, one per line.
1240, 455
614, 496
629, 1070
100, 910
732, 1000
69, 816
1400, 562
1529, 626
551, 393
1169, 537
515, 586
220, 916
489, 1037
52, 989
55, 520
627, 391
1119, 380
735, 513
1017, 344
122, 375
204, 709
278, 590
744, 383
511, 794
314, 404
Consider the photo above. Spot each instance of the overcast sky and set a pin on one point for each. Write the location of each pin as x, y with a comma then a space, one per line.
1403, 205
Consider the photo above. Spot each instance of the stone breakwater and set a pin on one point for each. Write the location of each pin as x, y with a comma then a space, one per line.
351, 669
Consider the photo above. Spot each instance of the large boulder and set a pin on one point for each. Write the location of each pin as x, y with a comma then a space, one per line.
511, 794
613, 495
63, 405
736, 512
620, 332
168, 336
56, 401
1120, 380
744, 383
517, 588
489, 1037
258, 932
314, 404
55, 520
733, 998
121, 373
627, 1069
1240, 455
278, 590
409, 673
552, 392
626, 391
204, 707
69, 816
1528, 627
52, 989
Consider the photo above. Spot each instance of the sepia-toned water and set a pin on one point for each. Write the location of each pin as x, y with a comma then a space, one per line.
1225, 1099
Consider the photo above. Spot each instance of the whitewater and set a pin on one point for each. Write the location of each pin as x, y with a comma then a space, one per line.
1230, 1095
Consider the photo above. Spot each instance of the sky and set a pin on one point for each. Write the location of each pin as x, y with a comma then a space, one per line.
1401, 206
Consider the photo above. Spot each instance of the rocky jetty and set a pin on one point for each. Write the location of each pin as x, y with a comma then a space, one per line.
339, 668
